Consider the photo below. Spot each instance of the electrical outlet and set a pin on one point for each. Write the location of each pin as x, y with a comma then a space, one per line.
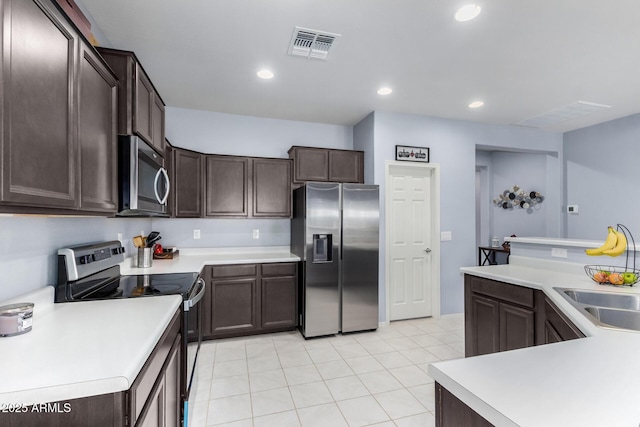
572, 209
196, 233
256, 233
558, 253
120, 237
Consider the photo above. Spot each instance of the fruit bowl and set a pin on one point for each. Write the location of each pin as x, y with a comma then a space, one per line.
611, 275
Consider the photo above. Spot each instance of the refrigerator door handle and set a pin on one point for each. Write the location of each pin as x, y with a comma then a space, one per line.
341, 249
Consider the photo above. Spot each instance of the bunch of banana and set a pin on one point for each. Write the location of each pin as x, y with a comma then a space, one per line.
615, 244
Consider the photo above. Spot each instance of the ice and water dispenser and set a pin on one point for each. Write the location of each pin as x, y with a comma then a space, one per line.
322, 247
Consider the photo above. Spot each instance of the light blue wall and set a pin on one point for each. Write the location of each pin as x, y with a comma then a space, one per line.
364, 140
29, 246
220, 133
601, 177
528, 171
453, 145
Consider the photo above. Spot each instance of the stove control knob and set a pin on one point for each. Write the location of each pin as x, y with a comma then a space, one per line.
87, 259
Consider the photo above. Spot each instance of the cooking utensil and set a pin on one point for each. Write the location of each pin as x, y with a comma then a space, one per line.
153, 237
138, 241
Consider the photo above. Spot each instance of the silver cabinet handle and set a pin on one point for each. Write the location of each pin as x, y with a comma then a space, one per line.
427, 250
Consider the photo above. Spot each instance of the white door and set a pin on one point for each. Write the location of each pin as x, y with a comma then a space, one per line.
412, 226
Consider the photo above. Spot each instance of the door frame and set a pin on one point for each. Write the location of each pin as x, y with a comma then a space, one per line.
434, 169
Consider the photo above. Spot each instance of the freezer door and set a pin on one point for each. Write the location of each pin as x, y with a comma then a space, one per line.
321, 292
360, 231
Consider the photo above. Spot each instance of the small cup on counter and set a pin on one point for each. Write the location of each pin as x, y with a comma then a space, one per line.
16, 319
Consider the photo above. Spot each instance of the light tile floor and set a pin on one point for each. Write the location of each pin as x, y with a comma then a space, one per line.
371, 378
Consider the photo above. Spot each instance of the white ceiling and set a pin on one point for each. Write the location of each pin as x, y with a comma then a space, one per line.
522, 58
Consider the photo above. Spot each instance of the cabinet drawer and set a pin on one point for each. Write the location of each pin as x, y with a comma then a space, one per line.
279, 269
503, 291
240, 270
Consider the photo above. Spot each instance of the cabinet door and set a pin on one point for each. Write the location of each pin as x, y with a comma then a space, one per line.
485, 318
234, 305
279, 302
227, 186
38, 137
172, 394
187, 183
310, 164
271, 188
346, 166
157, 123
143, 105
557, 326
97, 134
516, 327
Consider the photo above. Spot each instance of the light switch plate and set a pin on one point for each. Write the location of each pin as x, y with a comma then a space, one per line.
445, 236
572, 209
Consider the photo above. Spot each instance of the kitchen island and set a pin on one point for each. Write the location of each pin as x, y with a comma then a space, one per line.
590, 381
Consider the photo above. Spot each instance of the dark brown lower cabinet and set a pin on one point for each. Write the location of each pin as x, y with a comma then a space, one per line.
233, 294
279, 295
557, 327
452, 412
154, 399
247, 299
501, 316
498, 316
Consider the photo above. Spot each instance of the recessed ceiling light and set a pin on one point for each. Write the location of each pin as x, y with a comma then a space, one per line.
476, 104
265, 74
467, 13
384, 91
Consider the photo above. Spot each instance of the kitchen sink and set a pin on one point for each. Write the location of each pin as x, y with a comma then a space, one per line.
604, 299
623, 319
606, 309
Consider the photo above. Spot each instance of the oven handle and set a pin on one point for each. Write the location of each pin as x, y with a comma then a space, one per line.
197, 297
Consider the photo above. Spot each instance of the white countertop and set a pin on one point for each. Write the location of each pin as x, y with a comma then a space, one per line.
591, 381
192, 260
81, 349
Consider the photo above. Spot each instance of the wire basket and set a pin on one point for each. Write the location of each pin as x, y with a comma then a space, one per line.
611, 275
615, 275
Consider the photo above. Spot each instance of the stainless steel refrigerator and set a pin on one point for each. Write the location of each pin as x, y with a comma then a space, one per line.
334, 230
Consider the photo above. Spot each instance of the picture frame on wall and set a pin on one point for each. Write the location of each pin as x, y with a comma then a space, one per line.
408, 153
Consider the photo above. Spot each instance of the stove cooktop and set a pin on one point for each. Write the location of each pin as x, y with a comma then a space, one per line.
145, 285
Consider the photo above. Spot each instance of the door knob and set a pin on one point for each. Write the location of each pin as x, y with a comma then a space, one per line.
427, 250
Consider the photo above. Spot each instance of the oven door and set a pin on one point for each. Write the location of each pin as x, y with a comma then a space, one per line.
144, 182
192, 339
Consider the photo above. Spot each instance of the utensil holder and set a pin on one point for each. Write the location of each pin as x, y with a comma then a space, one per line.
145, 257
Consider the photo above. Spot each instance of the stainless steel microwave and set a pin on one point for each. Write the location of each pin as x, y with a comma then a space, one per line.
144, 181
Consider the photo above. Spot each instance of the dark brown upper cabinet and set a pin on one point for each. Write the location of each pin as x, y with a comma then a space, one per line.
271, 188
186, 181
141, 109
321, 164
58, 104
247, 187
226, 186
97, 134
346, 166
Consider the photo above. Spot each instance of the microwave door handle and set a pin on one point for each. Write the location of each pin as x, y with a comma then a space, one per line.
155, 185
166, 180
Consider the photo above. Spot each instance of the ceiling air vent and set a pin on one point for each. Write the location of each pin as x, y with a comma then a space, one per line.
311, 43
561, 114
